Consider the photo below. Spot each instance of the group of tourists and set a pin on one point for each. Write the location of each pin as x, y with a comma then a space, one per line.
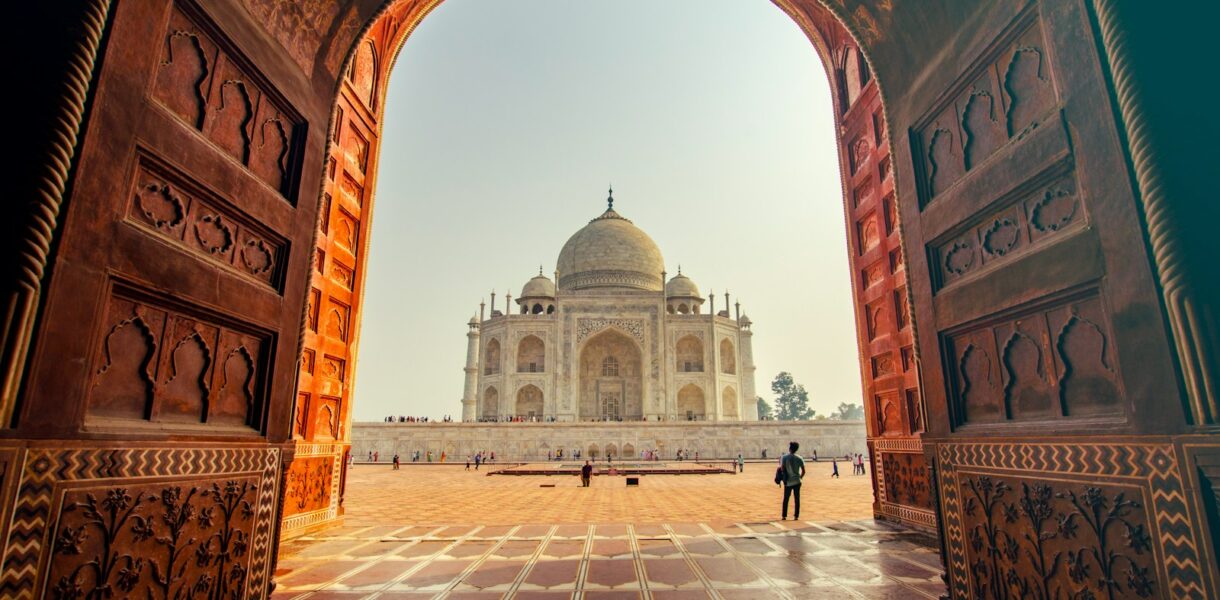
406, 419
516, 419
480, 458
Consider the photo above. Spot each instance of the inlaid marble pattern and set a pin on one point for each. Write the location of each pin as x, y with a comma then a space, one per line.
781, 559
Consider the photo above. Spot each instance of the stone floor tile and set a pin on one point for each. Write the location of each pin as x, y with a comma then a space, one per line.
379, 574
749, 545
753, 594
611, 573
320, 573
377, 548
516, 548
469, 549
554, 574
672, 572
650, 530
424, 548
435, 575
610, 531
466, 595
499, 575
571, 531
699, 594
727, 570
657, 547
705, 546
613, 595
610, 548
564, 548
784, 569
532, 531
538, 595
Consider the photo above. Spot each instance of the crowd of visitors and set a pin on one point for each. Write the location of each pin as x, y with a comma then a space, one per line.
516, 419
406, 419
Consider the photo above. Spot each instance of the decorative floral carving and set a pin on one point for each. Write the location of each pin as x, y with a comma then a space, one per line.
161, 204
1081, 542
1055, 210
257, 257
588, 327
157, 543
214, 234
1001, 237
960, 257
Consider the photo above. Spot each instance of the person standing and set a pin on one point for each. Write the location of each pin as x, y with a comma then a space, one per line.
834, 465
395, 461
741, 463
467, 462
794, 471
586, 473
478, 458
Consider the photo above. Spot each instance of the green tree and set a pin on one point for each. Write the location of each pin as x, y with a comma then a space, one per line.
764, 410
849, 412
791, 401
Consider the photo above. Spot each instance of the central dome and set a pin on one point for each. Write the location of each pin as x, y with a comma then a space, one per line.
610, 253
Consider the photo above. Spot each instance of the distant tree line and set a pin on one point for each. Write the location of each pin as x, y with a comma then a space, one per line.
792, 404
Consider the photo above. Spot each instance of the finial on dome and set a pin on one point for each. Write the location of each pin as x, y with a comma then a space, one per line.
679, 268
610, 199
540, 270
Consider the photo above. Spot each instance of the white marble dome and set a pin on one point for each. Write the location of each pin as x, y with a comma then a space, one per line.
540, 286
681, 286
610, 252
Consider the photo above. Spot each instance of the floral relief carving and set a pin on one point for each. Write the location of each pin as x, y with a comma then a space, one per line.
587, 327
1052, 541
1055, 210
257, 257
214, 234
1002, 236
960, 257
154, 541
162, 205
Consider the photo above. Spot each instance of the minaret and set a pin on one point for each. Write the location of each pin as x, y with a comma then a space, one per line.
470, 391
745, 347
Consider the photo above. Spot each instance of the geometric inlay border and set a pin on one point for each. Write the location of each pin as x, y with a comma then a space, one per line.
1152, 466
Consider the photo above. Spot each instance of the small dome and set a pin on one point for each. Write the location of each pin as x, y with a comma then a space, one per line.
681, 286
539, 287
473, 320
610, 252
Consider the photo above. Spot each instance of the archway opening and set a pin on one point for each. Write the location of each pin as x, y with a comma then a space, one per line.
611, 383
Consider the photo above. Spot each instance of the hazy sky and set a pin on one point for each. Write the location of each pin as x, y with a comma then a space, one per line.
506, 121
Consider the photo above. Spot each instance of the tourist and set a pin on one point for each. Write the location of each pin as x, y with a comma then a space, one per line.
586, 473
442, 456
377, 457
741, 464
351, 460
815, 455
863, 468
834, 464
395, 461
467, 462
794, 470
478, 458
493, 456
370, 456
429, 456
764, 453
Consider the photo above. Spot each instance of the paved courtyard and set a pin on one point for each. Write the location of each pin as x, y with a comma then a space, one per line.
438, 531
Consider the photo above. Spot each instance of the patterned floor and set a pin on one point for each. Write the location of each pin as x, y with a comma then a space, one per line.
789, 559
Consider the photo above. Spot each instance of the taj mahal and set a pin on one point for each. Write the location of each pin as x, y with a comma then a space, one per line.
615, 340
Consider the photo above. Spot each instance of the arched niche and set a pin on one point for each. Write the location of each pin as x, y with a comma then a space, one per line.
529, 402
611, 378
728, 357
692, 405
531, 355
688, 354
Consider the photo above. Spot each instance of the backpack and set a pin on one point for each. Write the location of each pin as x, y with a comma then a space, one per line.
779, 474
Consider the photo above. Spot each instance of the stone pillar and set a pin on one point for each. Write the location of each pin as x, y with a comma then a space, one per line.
470, 392
745, 349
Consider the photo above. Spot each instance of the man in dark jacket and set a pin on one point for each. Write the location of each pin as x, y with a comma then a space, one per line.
794, 471
586, 473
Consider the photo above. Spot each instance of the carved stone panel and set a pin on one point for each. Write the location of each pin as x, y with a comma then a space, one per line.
1067, 520
906, 479
1049, 363
142, 522
308, 485
182, 211
1003, 98
164, 364
205, 82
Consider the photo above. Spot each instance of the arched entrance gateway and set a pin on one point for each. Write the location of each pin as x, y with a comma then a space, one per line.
1037, 344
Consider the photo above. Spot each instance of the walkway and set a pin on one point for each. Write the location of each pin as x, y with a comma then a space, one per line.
438, 531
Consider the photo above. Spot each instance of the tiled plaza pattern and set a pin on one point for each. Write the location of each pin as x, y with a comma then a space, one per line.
712, 557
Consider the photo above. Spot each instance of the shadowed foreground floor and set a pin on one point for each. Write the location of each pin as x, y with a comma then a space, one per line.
433, 531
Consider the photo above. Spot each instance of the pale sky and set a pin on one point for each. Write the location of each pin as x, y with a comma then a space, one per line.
505, 122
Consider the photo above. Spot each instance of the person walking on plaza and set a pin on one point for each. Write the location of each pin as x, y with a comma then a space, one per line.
863, 468
741, 464
834, 464
376, 457
395, 461
478, 458
467, 462
794, 471
586, 473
